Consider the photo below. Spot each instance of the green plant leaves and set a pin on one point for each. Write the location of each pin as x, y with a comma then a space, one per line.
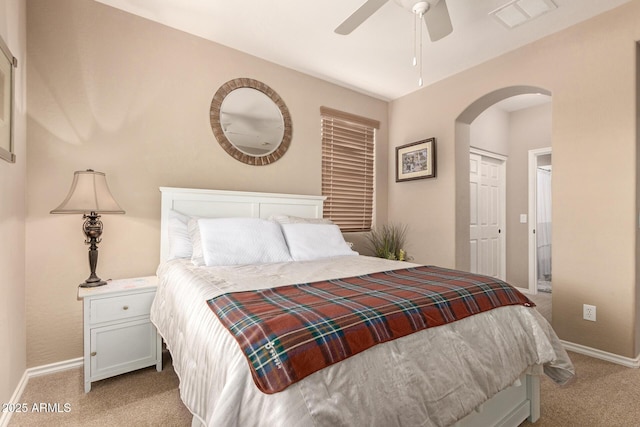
388, 241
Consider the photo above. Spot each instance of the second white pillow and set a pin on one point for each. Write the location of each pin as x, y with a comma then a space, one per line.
314, 241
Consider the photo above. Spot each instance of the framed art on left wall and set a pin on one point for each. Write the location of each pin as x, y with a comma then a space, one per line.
7, 81
416, 160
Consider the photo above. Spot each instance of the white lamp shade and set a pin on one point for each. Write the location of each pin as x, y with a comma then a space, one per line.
89, 193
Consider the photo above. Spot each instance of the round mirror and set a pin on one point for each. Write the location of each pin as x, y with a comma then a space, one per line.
250, 121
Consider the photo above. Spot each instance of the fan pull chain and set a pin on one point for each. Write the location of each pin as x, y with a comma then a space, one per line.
420, 16
415, 43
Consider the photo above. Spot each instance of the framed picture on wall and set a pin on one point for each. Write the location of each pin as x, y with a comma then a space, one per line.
7, 63
416, 160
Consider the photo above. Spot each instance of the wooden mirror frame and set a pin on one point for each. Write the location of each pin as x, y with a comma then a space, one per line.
214, 116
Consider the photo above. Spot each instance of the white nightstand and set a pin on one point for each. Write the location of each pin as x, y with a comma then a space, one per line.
118, 335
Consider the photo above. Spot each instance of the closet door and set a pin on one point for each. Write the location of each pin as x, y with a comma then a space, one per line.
487, 194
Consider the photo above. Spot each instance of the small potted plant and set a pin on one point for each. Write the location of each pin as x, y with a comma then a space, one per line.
388, 241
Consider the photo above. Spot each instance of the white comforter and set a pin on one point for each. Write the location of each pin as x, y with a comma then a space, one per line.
430, 378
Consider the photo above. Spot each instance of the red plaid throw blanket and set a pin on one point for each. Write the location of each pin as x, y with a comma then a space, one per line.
290, 332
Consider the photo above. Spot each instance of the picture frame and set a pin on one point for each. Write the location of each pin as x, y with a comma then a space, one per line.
416, 160
7, 88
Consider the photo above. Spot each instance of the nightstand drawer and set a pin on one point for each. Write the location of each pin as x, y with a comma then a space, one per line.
121, 307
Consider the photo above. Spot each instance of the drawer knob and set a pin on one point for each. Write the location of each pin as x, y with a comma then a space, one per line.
126, 307
93, 353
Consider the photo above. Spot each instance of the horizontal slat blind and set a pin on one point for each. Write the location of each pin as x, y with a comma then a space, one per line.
348, 169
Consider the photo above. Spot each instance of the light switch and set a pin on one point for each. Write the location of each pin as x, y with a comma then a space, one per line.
523, 218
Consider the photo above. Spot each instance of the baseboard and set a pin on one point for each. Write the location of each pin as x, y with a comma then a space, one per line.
15, 398
36, 372
602, 355
55, 367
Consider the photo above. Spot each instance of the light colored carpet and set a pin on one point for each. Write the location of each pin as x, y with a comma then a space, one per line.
602, 395
140, 398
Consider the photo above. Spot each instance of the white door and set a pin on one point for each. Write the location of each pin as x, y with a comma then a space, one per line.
487, 200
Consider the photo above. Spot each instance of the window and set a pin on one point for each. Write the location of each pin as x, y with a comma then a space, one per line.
348, 168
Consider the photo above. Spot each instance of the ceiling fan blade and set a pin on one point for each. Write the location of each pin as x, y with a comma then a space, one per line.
359, 16
438, 21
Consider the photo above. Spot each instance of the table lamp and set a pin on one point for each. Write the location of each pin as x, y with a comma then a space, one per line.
90, 196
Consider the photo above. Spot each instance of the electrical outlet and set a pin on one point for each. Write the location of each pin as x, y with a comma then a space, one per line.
589, 312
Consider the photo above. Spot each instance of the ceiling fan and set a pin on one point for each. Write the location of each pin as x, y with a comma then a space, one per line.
434, 13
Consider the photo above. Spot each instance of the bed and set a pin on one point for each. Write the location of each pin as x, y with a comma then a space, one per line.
482, 370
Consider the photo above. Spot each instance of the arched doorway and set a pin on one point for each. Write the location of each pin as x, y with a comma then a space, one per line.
462, 150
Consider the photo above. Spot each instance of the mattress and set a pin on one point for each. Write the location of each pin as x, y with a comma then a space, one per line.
433, 377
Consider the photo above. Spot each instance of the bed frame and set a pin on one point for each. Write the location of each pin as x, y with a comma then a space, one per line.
510, 407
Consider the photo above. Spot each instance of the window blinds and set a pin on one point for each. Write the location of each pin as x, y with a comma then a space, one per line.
348, 168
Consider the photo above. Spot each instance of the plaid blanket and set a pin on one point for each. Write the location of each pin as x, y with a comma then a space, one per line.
289, 332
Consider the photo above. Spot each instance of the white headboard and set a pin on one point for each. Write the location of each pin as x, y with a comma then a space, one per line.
226, 204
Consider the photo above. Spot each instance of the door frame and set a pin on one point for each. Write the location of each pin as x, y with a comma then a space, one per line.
503, 205
533, 217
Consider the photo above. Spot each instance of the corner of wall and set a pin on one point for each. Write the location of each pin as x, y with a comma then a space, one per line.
12, 214
637, 228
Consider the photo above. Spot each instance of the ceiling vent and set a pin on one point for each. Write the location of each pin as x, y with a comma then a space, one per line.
517, 12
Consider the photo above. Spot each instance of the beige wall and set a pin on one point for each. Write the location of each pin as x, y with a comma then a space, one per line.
590, 69
122, 95
12, 213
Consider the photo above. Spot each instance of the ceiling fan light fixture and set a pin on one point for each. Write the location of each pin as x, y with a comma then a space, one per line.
412, 5
420, 8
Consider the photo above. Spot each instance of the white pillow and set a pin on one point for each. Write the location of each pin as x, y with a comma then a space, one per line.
235, 241
289, 219
197, 257
179, 239
315, 241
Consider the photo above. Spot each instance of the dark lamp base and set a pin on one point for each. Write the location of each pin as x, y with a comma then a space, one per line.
92, 228
92, 284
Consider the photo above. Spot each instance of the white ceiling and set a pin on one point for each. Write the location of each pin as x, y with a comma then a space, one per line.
519, 102
375, 58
